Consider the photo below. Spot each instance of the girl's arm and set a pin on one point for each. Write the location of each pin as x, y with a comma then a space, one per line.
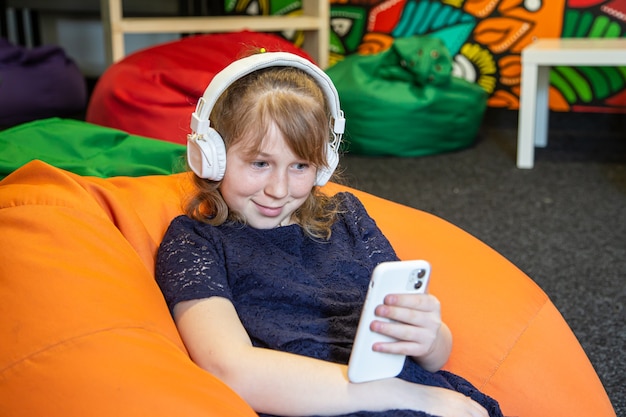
280, 383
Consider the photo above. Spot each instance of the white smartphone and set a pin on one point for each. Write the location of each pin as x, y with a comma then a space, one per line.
398, 277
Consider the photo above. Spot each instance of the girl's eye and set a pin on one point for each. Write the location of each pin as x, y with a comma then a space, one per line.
301, 166
259, 164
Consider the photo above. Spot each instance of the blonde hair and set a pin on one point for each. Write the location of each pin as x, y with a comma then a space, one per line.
291, 100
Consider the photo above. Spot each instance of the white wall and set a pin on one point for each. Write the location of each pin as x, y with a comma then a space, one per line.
83, 40
75, 26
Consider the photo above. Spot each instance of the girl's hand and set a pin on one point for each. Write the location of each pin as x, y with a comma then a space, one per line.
418, 328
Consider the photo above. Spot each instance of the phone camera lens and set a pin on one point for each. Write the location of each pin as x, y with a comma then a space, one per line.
417, 285
421, 273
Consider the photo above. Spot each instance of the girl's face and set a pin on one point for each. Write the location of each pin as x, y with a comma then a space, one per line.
268, 187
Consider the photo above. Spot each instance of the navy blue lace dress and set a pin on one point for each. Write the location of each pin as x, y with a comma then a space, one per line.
292, 293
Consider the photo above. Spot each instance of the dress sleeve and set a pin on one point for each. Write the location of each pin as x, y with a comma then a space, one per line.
189, 264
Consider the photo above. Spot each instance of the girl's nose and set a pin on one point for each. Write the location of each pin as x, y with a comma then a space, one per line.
277, 185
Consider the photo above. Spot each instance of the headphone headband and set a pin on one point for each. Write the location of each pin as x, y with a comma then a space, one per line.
221, 81
206, 154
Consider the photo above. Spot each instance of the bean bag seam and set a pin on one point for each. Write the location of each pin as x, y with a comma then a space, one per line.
20, 204
94, 208
78, 337
517, 339
70, 206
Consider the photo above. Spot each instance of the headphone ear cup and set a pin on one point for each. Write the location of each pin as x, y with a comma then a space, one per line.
206, 155
324, 173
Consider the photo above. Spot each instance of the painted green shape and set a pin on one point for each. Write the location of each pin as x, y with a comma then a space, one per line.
613, 31
425, 18
454, 37
600, 81
614, 77
599, 85
599, 27
283, 7
578, 83
584, 25
576, 24
444, 17
229, 5
404, 21
336, 45
561, 84
358, 16
570, 20
417, 18
427, 21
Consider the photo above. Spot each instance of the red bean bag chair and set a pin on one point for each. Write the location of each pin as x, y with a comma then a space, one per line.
85, 330
154, 91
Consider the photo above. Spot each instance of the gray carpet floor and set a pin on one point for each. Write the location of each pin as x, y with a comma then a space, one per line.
562, 222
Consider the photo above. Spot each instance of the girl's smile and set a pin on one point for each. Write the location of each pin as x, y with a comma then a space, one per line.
270, 211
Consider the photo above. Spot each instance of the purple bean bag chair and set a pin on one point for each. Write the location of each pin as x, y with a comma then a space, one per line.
38, 83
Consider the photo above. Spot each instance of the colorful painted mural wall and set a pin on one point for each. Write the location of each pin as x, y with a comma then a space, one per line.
486, 37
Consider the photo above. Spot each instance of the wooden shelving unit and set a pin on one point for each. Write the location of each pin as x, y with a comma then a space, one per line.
314, 22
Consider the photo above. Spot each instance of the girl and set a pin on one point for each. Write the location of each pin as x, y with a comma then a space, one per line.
265, 275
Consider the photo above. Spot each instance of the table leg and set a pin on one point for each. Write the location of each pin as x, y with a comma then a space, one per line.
542, 110
527, 116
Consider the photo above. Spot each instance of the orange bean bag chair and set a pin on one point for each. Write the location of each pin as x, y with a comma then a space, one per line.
86, 332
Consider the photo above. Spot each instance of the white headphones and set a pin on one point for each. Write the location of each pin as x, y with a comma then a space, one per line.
206, 153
